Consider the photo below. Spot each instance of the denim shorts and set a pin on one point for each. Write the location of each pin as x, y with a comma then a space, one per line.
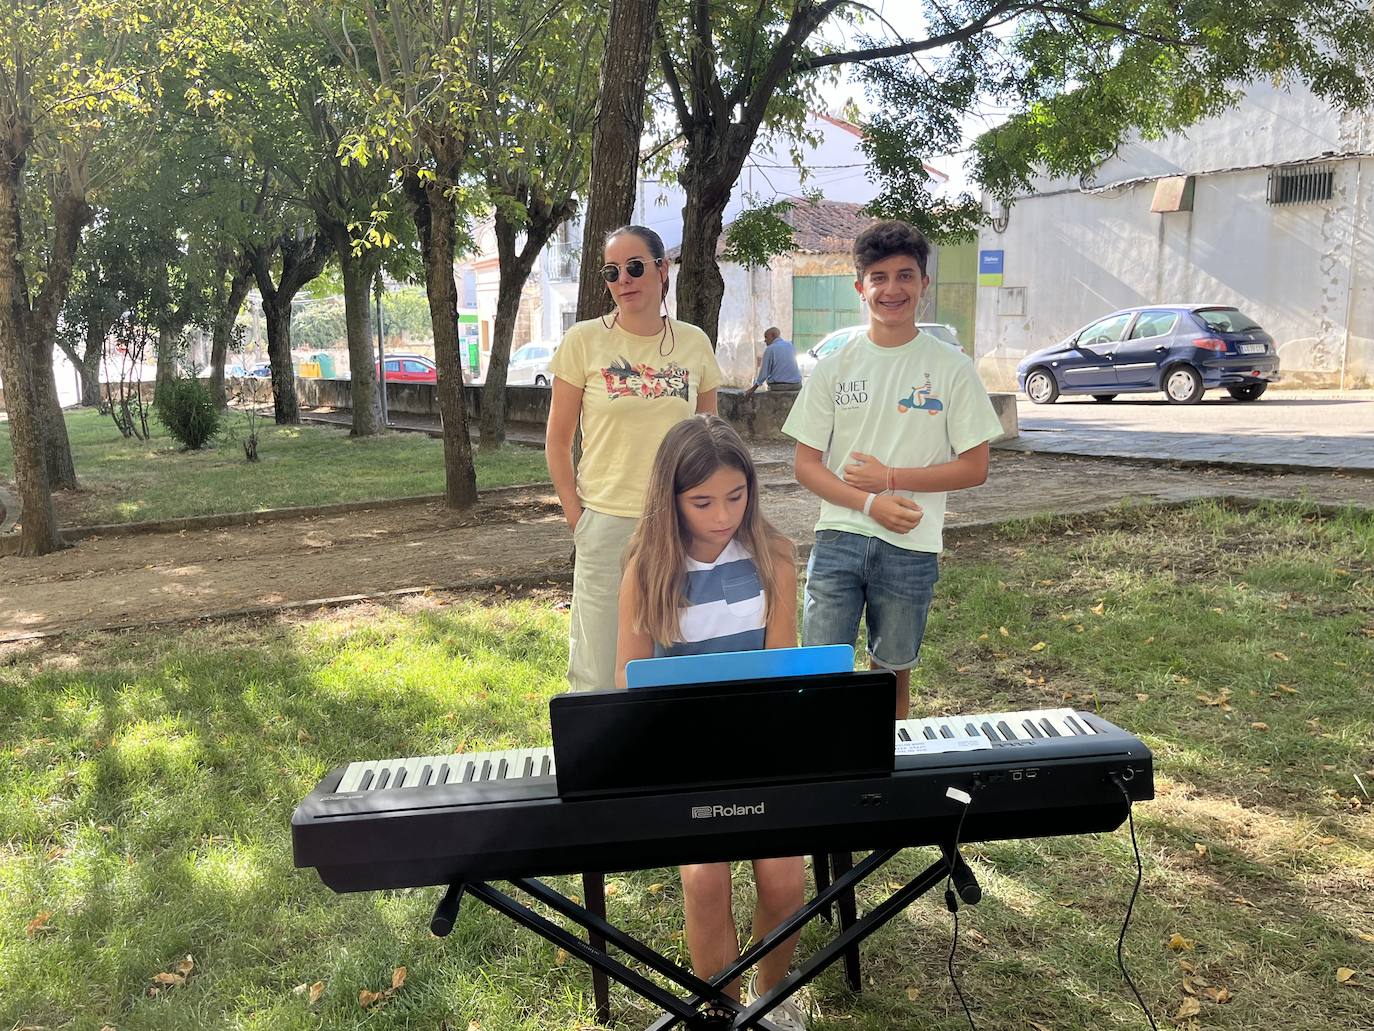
849, 575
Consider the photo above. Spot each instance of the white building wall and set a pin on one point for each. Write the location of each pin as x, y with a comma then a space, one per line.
1304, 271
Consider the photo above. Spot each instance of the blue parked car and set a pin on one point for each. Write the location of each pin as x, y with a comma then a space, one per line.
1181, 349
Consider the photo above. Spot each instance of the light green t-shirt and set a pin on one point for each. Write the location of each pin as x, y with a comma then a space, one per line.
916, 405
634, 390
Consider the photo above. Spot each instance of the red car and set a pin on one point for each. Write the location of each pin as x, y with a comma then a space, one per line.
410, 368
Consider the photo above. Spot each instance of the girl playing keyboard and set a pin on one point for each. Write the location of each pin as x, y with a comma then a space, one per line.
706, 572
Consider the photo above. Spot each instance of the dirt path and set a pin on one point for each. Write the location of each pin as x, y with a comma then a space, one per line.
514, 539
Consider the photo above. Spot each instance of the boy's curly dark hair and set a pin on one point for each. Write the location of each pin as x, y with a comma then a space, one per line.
884, 239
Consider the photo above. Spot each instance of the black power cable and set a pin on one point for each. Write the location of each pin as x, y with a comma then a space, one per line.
1130, 906
951, 896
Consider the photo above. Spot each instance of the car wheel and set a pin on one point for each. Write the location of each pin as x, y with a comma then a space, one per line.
1247, 391
1182, 385
1104, 398
1041, 387
540, 381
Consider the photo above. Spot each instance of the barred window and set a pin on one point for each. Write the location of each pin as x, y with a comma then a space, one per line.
1301, 184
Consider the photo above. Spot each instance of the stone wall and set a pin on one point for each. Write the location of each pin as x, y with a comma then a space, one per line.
759, 418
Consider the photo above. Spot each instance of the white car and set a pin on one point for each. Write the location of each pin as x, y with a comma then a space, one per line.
836, 339
529, 366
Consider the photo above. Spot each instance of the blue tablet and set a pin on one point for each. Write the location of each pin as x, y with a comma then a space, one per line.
715, 667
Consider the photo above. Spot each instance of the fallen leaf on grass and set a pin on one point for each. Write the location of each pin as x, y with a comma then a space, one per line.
1181, 944
655, 888
1280, 656
1142, 697
1039, 646
1258, 725
1190, 1008
164, 977
185, 966
560, 957
1366, 937
1004, 631
39, 923
1221, 996
367, 999
312, 992
913, 994
58, 852
1288, 689
1099, 608
1344, 975
1199, 848
1241, 900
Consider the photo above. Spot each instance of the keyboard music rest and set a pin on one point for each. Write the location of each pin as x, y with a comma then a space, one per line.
519, 826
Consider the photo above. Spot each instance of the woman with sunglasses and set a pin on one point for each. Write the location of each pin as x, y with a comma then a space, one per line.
626, 379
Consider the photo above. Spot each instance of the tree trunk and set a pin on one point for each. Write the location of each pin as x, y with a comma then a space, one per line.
700, 287
285, 410
222, 330
166, 358
362, 353
91, 363
57, 447
435, 219
302, 259
514, 271
38, 521
615, 143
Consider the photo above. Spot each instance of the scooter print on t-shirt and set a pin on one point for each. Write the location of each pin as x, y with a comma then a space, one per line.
922, 400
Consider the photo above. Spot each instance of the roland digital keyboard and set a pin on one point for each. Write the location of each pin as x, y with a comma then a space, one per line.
449, 819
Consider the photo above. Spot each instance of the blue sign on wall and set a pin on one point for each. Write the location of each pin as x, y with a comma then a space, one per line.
990, 268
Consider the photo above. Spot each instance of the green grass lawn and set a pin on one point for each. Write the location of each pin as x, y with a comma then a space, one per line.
127, 481
147, 781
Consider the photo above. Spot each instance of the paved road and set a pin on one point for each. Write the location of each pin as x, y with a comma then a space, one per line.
1283, 429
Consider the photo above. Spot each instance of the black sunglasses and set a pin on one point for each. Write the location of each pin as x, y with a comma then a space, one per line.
634, 268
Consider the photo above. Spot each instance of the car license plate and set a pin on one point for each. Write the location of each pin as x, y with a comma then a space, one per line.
1252, 348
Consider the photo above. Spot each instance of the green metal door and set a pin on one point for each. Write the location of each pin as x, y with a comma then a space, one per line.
821, 304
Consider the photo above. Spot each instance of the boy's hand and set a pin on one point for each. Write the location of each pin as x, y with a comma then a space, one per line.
896, 513
866, 473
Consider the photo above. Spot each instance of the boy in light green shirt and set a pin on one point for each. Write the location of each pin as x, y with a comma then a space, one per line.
885, 426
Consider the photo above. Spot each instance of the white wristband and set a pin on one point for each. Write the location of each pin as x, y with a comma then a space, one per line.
868, 503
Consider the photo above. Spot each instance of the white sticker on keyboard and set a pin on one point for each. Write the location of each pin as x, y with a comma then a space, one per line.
929, 747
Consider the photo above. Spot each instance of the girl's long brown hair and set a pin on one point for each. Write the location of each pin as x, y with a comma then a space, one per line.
657, 555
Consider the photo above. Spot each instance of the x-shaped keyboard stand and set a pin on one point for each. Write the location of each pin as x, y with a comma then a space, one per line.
701, 996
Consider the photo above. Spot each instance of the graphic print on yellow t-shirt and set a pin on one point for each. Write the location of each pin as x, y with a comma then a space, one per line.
625, 379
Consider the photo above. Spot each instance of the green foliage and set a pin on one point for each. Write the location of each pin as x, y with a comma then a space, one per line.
759, 234
184, 406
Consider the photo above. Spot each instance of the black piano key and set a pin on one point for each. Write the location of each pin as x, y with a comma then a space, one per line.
945, 731
400, 780
1032, 729
529, 767
442, 778
972, 731
1074, 725
485, 775
382, 779
1006, 730
501, 768
1049, 727
469, 773
930, 734
903, 734
424, 775
544, 765
366, 781
991, 734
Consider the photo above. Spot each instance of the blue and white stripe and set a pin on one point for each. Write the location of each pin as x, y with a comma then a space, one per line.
725, 606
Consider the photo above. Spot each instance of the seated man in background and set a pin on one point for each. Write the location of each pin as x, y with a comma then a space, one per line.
779, 366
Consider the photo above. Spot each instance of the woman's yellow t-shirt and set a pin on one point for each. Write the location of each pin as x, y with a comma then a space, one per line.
634, 390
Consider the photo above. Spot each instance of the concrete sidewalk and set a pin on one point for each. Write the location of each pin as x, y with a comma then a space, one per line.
1285, 430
